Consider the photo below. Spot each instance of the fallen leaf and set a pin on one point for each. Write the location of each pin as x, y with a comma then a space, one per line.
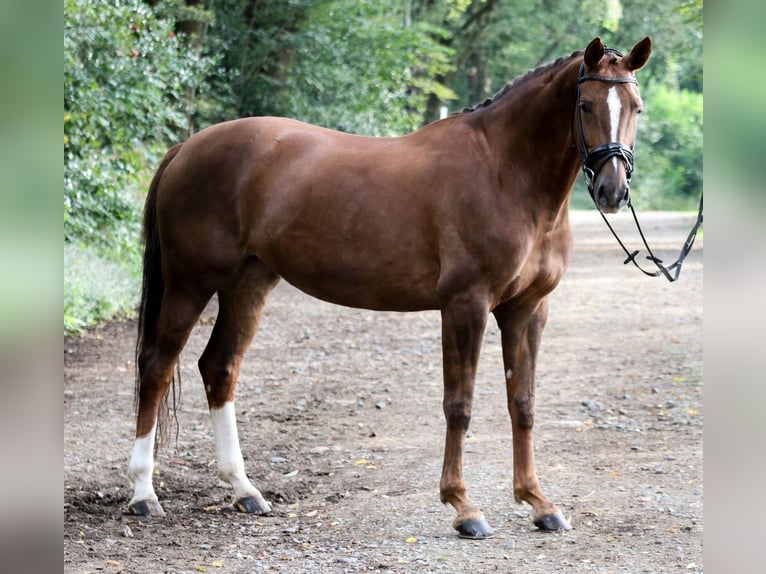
217, 564
212, 508
113, 563
291, 473
411, 540
200, 569
361, 461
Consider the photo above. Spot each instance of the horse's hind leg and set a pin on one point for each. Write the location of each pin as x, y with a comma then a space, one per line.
178, 315
240, 304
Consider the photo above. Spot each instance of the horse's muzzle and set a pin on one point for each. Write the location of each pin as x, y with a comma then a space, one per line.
611, 197
607, 169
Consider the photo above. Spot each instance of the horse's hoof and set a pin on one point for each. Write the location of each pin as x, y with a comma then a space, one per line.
553, 523
146, 508
252, 505
474, 529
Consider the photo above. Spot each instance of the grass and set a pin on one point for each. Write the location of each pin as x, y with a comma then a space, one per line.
95, 288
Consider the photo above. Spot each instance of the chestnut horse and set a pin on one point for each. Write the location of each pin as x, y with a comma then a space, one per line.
467, 215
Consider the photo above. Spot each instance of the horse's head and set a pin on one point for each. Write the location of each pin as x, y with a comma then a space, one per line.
608, 104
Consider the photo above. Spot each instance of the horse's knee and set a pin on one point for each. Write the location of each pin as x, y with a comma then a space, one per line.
458, 414
523, 413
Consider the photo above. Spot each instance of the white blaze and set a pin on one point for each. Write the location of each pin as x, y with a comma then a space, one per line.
615, 106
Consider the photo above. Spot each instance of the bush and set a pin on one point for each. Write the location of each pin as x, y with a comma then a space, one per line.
131, 87
669, 150
126, 92
358, 68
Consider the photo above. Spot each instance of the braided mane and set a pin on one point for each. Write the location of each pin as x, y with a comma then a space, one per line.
522, 80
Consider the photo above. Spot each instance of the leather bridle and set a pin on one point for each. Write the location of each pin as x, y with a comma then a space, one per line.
593, 161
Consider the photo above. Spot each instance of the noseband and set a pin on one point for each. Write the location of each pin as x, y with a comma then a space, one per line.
593, 161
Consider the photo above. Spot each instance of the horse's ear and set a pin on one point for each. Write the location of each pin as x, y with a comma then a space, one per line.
639, 55
594, 52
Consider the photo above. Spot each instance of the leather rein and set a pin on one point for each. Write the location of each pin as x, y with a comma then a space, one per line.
593, 161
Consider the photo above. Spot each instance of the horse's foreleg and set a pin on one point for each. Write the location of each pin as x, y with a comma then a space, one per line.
463, 321
177, 317
521, 332
240, 303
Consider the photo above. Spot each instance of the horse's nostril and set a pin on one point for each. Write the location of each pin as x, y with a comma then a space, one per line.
601, 195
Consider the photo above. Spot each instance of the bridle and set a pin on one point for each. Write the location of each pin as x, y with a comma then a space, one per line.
593, 161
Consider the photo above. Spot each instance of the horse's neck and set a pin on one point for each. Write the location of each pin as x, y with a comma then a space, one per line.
531, 130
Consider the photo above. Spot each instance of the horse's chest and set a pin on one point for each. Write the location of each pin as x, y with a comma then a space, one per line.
540, 270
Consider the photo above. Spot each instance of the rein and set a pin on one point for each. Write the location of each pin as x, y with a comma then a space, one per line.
594, 160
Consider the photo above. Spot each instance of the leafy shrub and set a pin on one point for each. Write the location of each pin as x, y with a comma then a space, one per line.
130, 85
669, 150
126, 83
358, 67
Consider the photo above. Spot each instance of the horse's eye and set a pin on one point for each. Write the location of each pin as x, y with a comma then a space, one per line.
586, 107
640, 111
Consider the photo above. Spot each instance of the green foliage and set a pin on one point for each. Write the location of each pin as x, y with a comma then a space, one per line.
126, 76
358, 67
95, 289
670, 150
257, 41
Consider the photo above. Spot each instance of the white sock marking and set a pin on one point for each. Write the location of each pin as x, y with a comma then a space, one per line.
141, 468
231, 465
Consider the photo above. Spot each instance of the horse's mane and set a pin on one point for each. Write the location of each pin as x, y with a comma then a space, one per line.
522, 80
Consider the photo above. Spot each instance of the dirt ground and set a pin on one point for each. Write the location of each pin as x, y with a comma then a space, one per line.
340, 421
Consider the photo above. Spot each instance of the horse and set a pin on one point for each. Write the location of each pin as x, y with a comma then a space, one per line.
467, 215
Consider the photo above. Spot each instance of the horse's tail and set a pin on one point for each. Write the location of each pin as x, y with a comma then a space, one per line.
152, 287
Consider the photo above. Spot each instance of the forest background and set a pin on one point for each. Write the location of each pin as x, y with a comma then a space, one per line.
140, 76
